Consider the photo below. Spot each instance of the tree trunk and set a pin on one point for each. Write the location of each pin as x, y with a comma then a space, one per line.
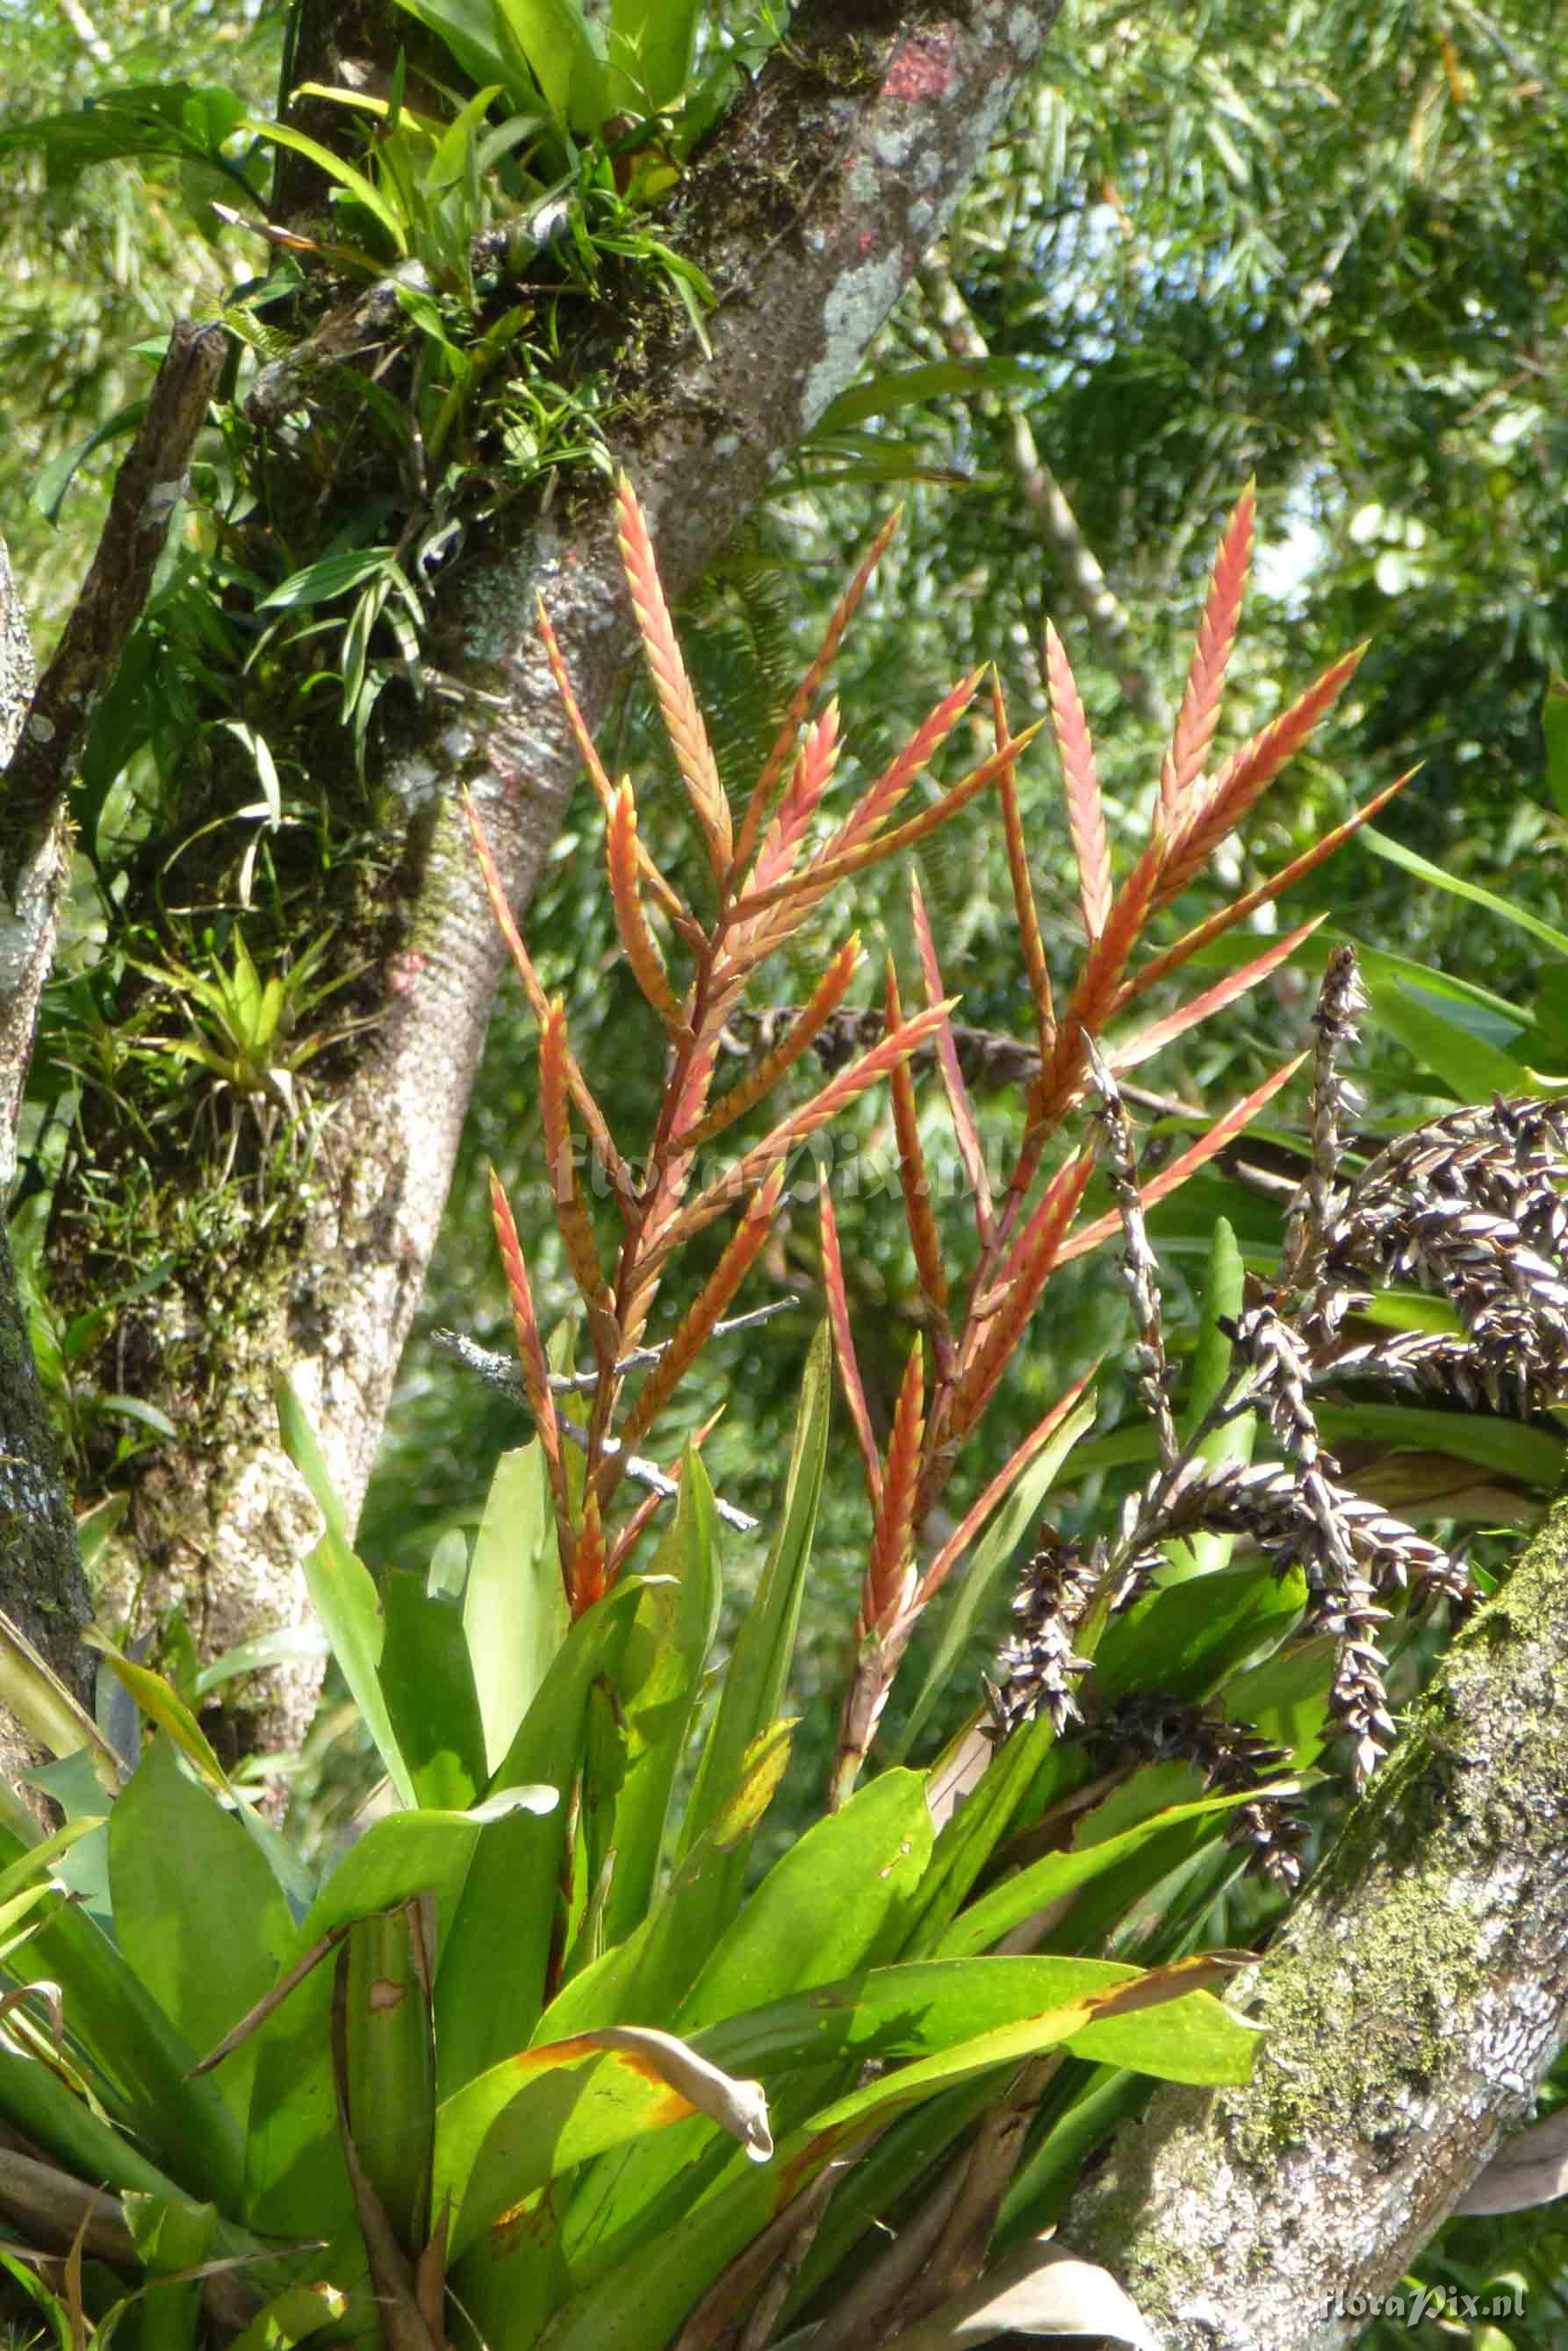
1415, 1999
41, 1584
809, 209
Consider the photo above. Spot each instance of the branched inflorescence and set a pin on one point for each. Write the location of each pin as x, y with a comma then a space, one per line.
1471, 1208
769, 861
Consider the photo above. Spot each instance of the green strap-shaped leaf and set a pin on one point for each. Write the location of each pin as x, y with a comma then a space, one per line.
1185, 1639
995, 1914
187, 1883
1471, 893
127, 2035
765, 1644
1148, 2023
296, 2180
343, 1590
514, 1608
838, 1900
428, 1685
541, 2112
1232, 1440
640, 1719
924, 2008
490, 1986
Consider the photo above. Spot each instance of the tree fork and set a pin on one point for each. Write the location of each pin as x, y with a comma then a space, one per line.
809, 209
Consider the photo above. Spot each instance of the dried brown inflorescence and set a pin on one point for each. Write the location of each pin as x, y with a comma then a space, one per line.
1473, 1209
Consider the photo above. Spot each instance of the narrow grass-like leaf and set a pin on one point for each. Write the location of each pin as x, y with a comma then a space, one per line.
363, 191
1395, 852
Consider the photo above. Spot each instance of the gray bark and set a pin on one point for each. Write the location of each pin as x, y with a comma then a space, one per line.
1415, 1999
809, 210
41, 1585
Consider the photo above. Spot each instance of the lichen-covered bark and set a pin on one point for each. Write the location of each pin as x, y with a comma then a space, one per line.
808, 211
1413, 2005
41, 1585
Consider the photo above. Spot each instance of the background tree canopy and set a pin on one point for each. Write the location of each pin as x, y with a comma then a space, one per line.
1321, 248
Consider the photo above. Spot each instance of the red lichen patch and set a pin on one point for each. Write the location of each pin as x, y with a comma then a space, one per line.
926, 67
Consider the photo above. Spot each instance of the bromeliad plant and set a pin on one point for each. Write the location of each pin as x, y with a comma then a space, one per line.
531, 2065
766, 882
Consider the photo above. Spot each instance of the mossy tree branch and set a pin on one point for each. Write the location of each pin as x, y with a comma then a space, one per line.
1413, 2003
